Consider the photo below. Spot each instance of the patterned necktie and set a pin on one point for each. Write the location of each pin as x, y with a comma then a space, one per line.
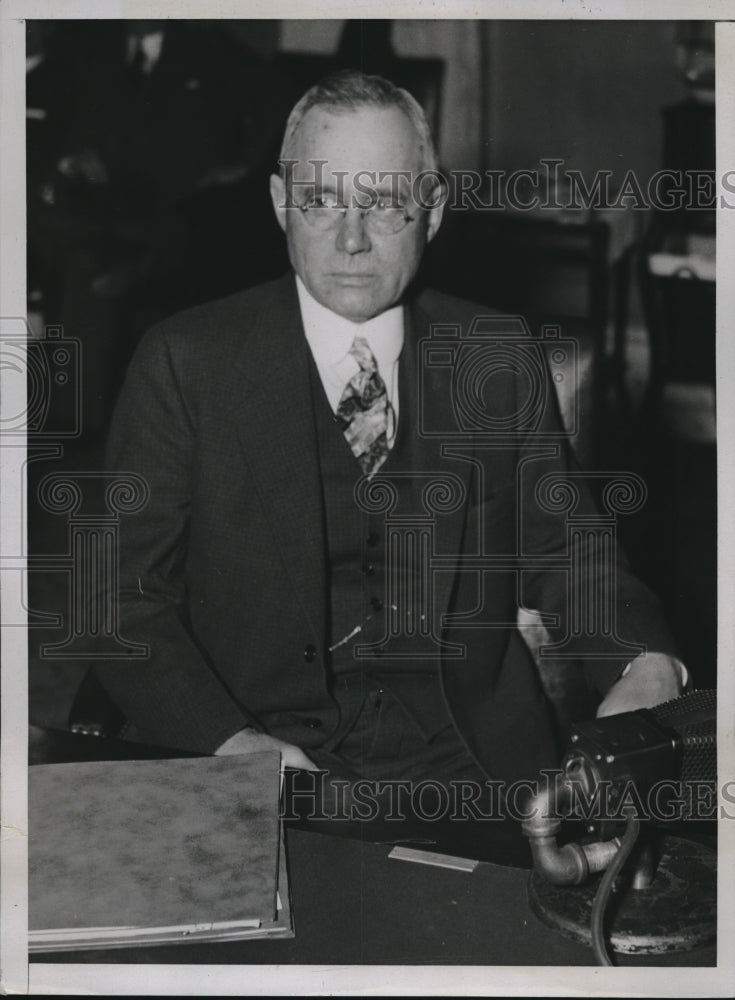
364, 412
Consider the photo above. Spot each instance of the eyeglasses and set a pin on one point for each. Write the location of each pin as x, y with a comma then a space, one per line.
384, 217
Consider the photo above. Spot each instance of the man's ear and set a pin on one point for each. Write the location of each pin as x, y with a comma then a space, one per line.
436, 211
278, 197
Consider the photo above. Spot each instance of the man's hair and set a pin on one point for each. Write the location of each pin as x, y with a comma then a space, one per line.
350, 90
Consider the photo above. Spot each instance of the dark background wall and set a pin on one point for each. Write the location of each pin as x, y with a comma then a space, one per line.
587, 92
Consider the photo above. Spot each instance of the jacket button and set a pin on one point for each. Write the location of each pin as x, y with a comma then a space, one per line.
376, 604
310, 653
372, 539
313, 723
368, 569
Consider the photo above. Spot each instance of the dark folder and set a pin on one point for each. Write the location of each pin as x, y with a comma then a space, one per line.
159, 851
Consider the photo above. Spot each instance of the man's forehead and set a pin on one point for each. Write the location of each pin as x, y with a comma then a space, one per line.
349, 141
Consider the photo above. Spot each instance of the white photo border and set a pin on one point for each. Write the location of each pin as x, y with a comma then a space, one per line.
187, 980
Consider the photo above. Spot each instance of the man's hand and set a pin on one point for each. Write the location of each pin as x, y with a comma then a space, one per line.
251, 741
649, 680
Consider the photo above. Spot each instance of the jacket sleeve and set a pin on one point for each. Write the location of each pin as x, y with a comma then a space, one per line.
605, 613
172, 696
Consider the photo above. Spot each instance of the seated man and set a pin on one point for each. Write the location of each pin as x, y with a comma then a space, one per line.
329, 561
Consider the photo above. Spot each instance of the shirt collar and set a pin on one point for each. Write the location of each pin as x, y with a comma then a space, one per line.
330, 336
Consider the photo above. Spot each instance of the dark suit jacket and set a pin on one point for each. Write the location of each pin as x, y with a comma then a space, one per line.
224, 573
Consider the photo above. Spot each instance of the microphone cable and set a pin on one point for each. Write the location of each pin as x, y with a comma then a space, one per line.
604, 889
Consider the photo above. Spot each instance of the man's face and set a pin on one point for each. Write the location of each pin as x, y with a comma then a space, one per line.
349, 268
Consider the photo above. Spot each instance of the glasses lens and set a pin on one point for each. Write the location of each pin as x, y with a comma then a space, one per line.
387, 220
320, 216
381, 220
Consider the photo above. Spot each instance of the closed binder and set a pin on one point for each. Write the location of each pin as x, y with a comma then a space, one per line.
156, 851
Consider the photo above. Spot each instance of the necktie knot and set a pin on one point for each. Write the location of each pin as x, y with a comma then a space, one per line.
365, 358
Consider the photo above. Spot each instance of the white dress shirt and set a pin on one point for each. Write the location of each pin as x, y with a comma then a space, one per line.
330, 338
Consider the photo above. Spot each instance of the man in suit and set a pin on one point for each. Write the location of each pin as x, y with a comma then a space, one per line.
303, 573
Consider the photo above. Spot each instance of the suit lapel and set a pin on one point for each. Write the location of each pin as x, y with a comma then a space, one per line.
276, 429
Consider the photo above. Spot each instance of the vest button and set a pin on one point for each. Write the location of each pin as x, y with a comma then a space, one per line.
310, 653
376, 604
372, 539
313, 723
368, 569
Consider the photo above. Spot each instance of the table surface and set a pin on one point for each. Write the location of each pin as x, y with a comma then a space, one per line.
353, 904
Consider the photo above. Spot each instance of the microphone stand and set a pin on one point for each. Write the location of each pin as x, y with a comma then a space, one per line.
658, 892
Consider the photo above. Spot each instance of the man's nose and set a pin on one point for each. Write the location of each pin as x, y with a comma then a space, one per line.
352, 235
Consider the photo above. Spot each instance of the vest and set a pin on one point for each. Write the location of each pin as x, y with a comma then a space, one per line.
357, 573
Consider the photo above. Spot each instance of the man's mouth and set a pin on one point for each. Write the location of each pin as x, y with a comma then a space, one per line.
348, 278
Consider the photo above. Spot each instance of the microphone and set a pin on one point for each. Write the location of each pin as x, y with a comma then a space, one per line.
657, 764
662, 758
